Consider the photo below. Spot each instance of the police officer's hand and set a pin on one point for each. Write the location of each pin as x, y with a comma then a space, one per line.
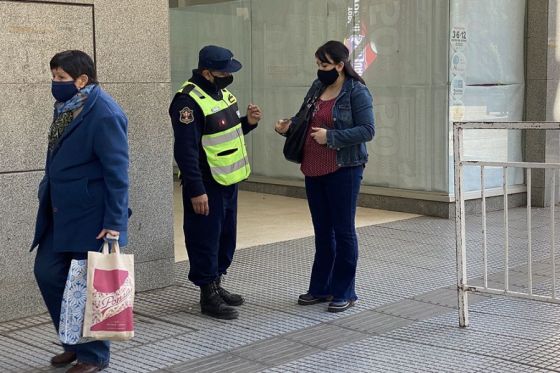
200, 204
254, 114
282, 126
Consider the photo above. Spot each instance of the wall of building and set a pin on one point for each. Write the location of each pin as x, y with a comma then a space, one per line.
130, 43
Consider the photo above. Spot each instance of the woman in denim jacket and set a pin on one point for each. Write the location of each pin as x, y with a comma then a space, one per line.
334, 157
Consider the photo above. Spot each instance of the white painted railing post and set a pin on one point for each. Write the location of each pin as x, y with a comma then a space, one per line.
460, 228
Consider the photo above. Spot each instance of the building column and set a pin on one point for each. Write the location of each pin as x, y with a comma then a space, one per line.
542, 103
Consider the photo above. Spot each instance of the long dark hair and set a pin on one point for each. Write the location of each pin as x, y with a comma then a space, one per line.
75, 63
338, 53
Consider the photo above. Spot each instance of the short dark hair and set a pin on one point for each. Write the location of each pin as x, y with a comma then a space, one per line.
338, 53
75, 63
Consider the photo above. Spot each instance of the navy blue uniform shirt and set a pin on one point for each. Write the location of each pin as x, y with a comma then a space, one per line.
188, 126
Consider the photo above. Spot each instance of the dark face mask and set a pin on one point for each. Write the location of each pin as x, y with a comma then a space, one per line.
222, 82
63, 91
327, 77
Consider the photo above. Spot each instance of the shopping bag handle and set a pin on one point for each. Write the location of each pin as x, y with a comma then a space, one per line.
114, 243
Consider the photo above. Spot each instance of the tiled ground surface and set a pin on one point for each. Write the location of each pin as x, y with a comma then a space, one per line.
405, 320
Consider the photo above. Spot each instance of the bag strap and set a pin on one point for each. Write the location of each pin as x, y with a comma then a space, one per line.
311, 103
114, 243
305, 108
318, 92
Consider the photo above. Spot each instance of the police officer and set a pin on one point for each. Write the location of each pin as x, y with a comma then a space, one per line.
212, 158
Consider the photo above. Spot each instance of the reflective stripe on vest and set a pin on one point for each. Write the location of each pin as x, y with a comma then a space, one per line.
239, 165
222, 139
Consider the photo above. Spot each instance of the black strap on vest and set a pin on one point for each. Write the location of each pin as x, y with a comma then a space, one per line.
189, 87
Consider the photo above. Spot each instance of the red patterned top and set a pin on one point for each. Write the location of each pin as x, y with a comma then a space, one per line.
318, 159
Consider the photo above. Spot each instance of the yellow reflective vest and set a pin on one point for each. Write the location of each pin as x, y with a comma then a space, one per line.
222, 137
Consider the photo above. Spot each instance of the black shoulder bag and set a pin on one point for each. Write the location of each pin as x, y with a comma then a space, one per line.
295, 138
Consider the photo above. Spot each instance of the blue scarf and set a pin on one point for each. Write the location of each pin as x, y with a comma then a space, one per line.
64, 114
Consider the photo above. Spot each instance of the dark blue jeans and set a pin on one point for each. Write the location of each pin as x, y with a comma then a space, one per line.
51, 271
332, 201
211, 239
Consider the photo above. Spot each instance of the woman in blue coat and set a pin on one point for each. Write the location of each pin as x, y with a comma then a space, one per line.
83, 196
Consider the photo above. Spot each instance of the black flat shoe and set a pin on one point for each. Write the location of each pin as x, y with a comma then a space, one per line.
308, 299
340, 306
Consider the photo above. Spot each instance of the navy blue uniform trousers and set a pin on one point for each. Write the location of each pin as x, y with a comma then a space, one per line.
51, 271
332, 200
211, 239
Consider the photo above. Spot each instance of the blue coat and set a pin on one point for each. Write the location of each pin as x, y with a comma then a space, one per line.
85, 187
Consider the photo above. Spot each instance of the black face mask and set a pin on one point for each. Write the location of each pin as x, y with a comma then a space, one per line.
327, 77
222, 82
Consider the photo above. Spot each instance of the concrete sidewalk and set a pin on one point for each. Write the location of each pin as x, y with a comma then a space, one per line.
404, 321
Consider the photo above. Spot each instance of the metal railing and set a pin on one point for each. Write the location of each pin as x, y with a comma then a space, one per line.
463, 287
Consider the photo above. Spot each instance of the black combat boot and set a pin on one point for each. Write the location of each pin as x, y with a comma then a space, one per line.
212, 304
229, 298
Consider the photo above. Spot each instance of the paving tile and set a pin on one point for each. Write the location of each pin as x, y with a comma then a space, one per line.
274, 351
219, 363
520, 308
224, 338
372, 322
16, 356
412, 309
193, 320
325, 336
146, 331
504, 326
41, 336
464, 339
158, 355
168, 300
27, 322
380, 354
447, 297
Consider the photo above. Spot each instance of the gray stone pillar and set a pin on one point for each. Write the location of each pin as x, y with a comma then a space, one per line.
130, 43
553, 63
541, 96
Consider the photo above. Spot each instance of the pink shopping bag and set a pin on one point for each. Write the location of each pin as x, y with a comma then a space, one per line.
110, 295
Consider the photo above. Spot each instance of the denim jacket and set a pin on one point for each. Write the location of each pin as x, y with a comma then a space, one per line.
353, 121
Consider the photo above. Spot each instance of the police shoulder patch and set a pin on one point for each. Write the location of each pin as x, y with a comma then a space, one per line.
186, 115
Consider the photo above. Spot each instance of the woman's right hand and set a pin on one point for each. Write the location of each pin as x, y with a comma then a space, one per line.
282, 126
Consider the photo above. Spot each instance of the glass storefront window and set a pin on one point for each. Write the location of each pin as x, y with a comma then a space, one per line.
409, 82
401, 47
487, 83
